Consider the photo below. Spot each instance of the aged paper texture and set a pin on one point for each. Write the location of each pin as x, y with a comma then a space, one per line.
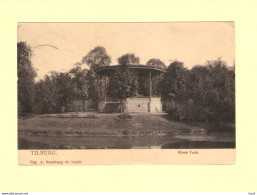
126, 93
241, 176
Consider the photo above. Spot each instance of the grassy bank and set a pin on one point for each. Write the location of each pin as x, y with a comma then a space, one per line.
106, 125
94, 130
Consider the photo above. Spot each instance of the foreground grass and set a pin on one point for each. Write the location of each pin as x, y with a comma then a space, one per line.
102, 123
105, 124
73, 131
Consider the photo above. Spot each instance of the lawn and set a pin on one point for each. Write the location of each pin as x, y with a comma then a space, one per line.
95, 130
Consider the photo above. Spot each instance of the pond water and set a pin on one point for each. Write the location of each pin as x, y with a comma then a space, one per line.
211, 140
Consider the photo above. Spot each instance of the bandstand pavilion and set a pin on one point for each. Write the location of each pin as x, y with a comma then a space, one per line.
149, 98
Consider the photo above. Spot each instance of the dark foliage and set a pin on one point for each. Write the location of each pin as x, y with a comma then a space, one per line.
205, 93
129, 59
174, 82
58, 92
156, 63
26, 76
123, 84
96, 58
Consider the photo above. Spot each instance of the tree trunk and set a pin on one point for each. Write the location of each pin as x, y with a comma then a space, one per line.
77, 103
221, 118
76, 106
121, 106
83, 105
208, 115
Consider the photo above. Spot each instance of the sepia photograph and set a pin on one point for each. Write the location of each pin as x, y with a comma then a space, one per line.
128, 96
84, 86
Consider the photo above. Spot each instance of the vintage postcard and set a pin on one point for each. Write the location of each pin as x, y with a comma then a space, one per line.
126, 93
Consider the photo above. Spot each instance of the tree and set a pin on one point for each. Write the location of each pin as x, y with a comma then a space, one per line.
78, 79
128, 59
53, 93
58, 91
65, 89
213, 90
156, 63
85, 82
222, 81
46, 95
123, 84
174, 82
26, 76
197, 82
91, 86
97, 58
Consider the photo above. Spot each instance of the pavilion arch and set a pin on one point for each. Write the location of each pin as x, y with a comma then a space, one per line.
146, 102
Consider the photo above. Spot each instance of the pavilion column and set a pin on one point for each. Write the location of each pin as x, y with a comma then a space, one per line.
105, 92
150, 90
100, 87
159, 87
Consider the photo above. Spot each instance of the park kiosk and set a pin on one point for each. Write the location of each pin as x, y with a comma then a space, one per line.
149, 96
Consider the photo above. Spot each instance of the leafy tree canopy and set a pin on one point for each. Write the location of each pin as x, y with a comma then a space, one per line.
213, 89
156, 63
24, 54
174, 82
26, 76
129, 59
78, 79
123, 84
96, 58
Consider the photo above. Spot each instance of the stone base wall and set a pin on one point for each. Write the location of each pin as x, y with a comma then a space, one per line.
156, 105
139, 105
143, 105
101, 106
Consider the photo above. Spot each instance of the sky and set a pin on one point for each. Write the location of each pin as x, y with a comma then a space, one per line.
58, 46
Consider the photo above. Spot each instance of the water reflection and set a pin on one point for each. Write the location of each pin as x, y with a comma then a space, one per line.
217, 140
